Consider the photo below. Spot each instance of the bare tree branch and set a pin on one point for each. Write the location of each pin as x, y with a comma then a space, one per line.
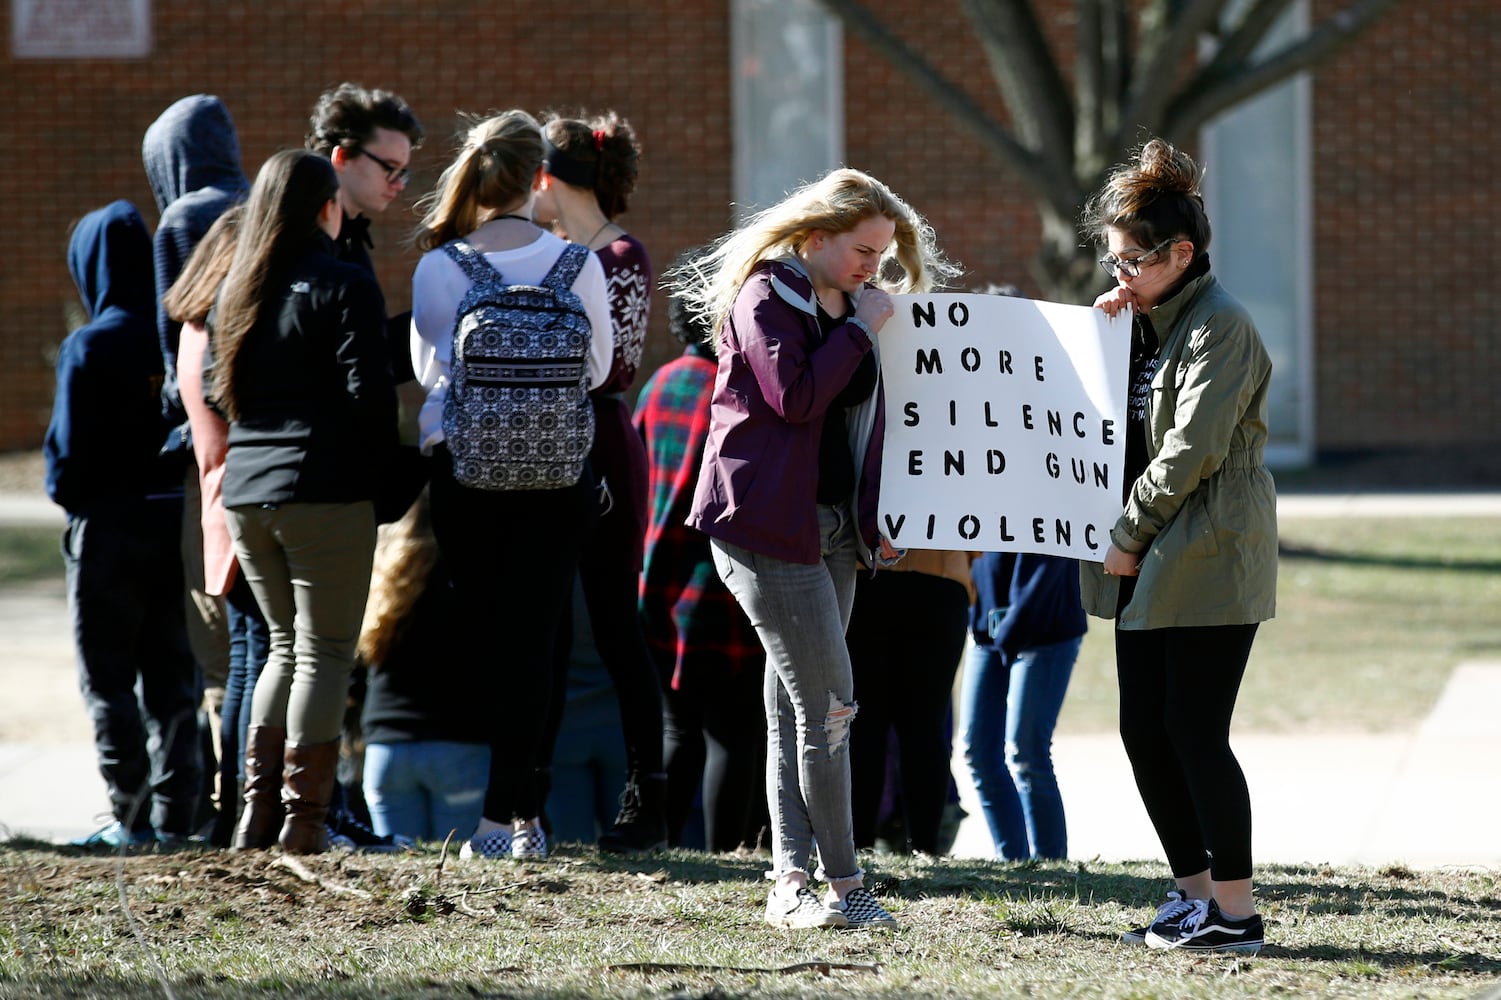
1090, 89
1049, 183
1238, 45
1115, 49
1162, 58
1063, 143
1203, 99
1028, 74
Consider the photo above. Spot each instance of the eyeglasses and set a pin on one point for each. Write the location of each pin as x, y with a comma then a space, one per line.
1115, 266
395, 174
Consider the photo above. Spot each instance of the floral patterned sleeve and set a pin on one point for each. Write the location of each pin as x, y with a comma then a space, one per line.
628, 276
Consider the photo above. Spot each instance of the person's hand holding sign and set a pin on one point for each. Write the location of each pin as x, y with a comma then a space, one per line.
1114, 301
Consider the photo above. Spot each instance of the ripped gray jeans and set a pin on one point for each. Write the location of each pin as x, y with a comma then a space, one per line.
800, 613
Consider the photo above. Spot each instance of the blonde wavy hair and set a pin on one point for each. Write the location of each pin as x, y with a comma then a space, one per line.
494, 167
405, 555
834, 204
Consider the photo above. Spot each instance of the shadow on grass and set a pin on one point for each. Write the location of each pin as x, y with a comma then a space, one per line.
1293, 551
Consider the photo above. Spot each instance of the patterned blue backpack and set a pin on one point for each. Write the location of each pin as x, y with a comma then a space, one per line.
517, 415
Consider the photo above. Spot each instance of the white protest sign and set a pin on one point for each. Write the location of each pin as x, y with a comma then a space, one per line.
1005, 425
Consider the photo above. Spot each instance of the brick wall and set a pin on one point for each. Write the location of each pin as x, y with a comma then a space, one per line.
1406, 138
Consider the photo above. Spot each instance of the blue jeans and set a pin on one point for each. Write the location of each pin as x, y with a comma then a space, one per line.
800, 613
1007, 717
249, 644
427, 788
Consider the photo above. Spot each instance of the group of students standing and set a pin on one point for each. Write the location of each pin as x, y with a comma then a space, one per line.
279, 387
751, 469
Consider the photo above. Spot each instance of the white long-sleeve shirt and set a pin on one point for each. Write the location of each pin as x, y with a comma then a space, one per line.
439, 284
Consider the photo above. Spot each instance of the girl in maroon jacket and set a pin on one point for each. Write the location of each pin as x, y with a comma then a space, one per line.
787, 491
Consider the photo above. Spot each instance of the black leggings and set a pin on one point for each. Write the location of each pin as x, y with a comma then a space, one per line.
715, 745
512, 556
1178, 689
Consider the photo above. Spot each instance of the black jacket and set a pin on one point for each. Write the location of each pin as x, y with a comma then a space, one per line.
313, 383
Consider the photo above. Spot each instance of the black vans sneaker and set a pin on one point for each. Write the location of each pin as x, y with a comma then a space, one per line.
1176, 908
1207, 929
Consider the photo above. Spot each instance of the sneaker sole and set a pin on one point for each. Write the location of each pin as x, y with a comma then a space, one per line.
834, 921
1133, 938
466, 853
1237, 948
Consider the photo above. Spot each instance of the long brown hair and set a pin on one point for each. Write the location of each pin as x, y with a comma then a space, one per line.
281, 215
192, 294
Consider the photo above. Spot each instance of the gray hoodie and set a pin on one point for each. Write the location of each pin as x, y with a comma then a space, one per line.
192, 159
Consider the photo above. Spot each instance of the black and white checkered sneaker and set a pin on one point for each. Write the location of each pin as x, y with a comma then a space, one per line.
802, 910
494, 843
529, 842
861, 910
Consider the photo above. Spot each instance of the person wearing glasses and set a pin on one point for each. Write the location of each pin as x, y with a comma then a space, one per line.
369, 137
1192, 566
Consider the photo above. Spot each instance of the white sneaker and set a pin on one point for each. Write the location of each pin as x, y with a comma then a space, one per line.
801, 910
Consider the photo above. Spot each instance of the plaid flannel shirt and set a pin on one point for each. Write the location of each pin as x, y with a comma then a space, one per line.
690, 618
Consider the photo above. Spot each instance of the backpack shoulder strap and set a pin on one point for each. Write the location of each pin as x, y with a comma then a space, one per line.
565, 270
474, 264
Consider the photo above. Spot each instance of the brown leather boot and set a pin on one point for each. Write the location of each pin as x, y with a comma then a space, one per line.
263, 812
307, 785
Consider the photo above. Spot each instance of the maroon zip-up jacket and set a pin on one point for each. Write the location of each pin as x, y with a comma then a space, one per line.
777, 377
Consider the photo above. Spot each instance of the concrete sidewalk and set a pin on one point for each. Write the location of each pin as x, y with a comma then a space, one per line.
1426, 797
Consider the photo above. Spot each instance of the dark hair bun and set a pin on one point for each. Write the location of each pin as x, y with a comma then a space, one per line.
1169, 171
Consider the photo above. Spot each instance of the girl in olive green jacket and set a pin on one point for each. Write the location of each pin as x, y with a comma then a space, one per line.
1192, 568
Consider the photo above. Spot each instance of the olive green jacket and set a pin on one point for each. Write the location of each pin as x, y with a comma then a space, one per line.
1205, 509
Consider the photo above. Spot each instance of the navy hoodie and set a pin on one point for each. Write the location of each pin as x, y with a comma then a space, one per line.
104, 441
1035, 599
192, 158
